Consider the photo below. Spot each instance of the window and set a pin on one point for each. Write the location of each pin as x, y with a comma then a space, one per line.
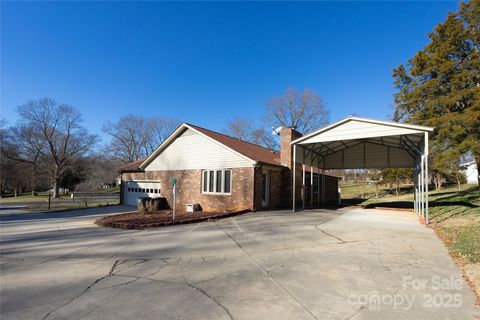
217, 181
205, 181
218, 184
211, 180
227, 181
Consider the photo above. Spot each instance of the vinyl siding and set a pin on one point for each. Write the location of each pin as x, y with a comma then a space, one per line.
192, 150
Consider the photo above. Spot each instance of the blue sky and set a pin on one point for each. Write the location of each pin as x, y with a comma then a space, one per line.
206, 63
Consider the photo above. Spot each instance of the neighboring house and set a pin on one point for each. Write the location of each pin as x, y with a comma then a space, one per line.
221, 173
471, 171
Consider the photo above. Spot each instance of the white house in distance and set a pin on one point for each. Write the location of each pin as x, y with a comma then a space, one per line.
471, 171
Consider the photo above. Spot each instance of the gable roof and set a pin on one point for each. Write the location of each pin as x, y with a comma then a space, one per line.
247, 150
133, 166
381, 123
250, 150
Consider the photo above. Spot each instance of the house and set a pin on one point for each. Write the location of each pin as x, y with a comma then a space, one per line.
222, 173
470, 170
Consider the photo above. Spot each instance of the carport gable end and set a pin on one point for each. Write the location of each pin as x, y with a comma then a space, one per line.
360, 143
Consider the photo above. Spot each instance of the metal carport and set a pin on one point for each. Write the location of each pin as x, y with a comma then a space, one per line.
360, 143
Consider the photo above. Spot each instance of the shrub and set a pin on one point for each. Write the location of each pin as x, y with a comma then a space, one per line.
150, 205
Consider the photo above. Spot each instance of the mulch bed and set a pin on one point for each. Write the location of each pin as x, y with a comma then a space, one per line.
138, 221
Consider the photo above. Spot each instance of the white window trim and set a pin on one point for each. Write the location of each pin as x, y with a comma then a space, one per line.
222, 193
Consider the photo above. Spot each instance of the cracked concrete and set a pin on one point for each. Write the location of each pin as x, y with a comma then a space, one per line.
316, 264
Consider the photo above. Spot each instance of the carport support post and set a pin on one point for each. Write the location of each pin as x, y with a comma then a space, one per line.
426, 176
414, 192
415, 188
419, 199
318, 181
323, 182
422, 186
311, 185
303, 183
293, 176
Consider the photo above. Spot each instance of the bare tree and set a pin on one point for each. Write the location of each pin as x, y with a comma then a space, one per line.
303, 110
158, 130
244, 129
11, 176
240, 128
23, 144
64, 141
128, 136
134, 137
100, 171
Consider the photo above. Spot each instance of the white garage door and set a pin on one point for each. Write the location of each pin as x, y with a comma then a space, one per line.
140, 189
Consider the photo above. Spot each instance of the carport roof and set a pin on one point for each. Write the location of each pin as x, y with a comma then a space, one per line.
356, 142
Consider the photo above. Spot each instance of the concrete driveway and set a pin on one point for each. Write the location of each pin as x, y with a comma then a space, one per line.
319, 264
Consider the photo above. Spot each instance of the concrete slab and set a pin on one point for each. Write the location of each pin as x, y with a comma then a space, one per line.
317, 264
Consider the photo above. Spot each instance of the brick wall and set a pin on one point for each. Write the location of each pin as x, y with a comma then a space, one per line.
285, 186
277, 190
287, 135
189, 189
258, 188
281, 188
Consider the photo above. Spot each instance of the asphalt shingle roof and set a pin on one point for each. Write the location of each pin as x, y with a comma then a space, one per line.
250, 150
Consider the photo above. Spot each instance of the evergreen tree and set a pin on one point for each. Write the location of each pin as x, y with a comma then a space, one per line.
440, 86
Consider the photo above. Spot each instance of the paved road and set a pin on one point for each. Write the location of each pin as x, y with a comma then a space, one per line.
319, 264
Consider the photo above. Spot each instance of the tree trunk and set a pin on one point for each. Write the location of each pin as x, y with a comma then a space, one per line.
397, 185
56, 183
438, 182
33, 186
33, 182
477, 161
56, 188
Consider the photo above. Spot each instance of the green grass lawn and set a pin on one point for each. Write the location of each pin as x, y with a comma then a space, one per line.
71, 206
111, 190
456, 219
42, 197
369, 190
25, 197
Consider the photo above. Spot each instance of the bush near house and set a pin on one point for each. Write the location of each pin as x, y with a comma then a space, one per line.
152, 205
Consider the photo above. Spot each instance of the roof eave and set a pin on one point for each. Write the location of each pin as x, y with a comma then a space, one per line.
165, 143
340, 122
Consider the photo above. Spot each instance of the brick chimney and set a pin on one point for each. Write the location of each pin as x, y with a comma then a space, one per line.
287, 135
